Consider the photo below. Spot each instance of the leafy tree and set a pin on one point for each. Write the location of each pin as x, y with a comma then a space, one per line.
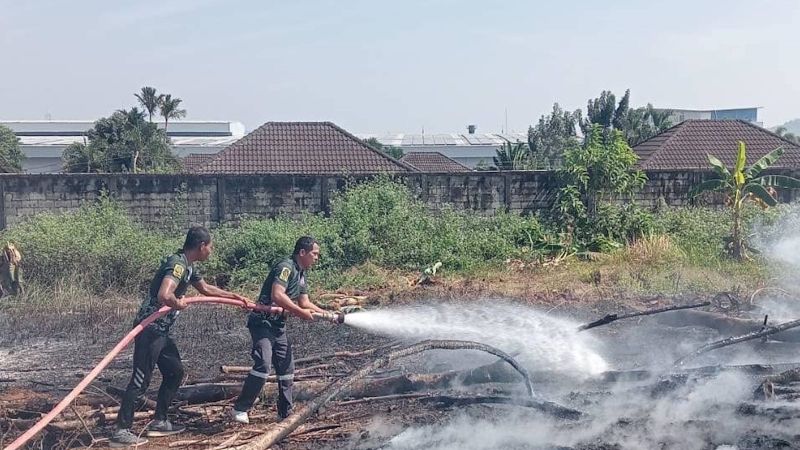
170, 109
150, 100
643, 123
605, 112
512, 157
786, 134
602, 167
79, 158
742, 184
10, 154
660, 119
636, 124
123, 142
552, 136
394, 152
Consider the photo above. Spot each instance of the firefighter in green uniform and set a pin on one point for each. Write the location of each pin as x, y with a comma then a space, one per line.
155, 346
286, 287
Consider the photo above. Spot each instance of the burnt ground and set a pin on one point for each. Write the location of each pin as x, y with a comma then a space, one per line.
647, 406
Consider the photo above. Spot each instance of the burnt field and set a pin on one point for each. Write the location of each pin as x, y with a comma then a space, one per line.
612, 387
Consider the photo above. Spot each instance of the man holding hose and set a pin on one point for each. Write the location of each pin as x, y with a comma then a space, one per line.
155, 346
286, 287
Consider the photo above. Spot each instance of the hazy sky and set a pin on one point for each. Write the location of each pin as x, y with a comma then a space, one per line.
376, 66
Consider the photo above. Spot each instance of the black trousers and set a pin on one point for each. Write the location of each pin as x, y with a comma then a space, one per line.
269, 346
151, 348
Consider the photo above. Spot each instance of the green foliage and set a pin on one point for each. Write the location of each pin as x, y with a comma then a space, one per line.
641, 124
592, 173
636, 124
99, 245
247, 251
381, 222
552, 136
149, 100
170, 108
783, 132
604, 112
10, 154
123, 142
742, 184
513, 157
394, 152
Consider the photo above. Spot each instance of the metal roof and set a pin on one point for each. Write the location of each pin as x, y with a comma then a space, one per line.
446, 139
62, 141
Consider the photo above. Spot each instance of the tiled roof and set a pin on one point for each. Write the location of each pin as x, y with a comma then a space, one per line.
302, 148
686, 145
193, 161
433, 162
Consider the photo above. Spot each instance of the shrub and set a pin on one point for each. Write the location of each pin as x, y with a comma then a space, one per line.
97, 245
246, 252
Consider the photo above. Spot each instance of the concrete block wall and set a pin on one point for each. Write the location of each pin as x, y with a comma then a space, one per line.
167, 201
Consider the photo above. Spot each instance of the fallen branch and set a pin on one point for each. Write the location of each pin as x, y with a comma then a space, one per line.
143, 401
368, 352
66, 425
551, 408
83, 422
247, 369
284, 428
382, 398
614, 317
737, 339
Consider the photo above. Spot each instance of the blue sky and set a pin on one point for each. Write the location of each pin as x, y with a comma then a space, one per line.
378, 66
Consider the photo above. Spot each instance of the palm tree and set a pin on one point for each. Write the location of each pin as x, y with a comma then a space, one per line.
170, 109
741, 184
660, 118
149, 100
512, 157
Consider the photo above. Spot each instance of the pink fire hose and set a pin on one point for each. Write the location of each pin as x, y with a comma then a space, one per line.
33, 431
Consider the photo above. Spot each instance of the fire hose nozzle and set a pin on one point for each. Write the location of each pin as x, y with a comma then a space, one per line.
332, 317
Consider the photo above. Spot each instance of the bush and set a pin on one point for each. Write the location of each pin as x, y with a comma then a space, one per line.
382, 222
701, 231
378, 222
246, 252
98, 245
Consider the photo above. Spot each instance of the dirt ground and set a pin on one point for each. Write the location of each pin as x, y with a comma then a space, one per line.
37, 371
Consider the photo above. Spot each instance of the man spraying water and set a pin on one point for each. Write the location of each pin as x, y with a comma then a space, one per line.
155, 346
286, 287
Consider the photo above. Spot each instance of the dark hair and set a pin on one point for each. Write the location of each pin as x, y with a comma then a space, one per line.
196, 236
304, 243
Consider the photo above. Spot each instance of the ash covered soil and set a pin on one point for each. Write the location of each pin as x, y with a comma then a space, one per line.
621, 376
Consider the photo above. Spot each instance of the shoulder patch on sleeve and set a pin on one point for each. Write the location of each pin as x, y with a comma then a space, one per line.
284, 276
177, 271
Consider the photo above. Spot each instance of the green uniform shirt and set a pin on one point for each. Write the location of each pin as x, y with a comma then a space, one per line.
178, 268
288, 274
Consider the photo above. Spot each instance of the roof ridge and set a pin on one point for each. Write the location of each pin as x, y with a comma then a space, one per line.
265, 129
229, 148
675, 130
442, 155
364, 144
762, 129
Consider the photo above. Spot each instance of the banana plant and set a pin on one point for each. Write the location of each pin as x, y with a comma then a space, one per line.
742, 184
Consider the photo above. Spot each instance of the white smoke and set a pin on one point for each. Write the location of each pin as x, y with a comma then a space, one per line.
779, 243
689, 417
